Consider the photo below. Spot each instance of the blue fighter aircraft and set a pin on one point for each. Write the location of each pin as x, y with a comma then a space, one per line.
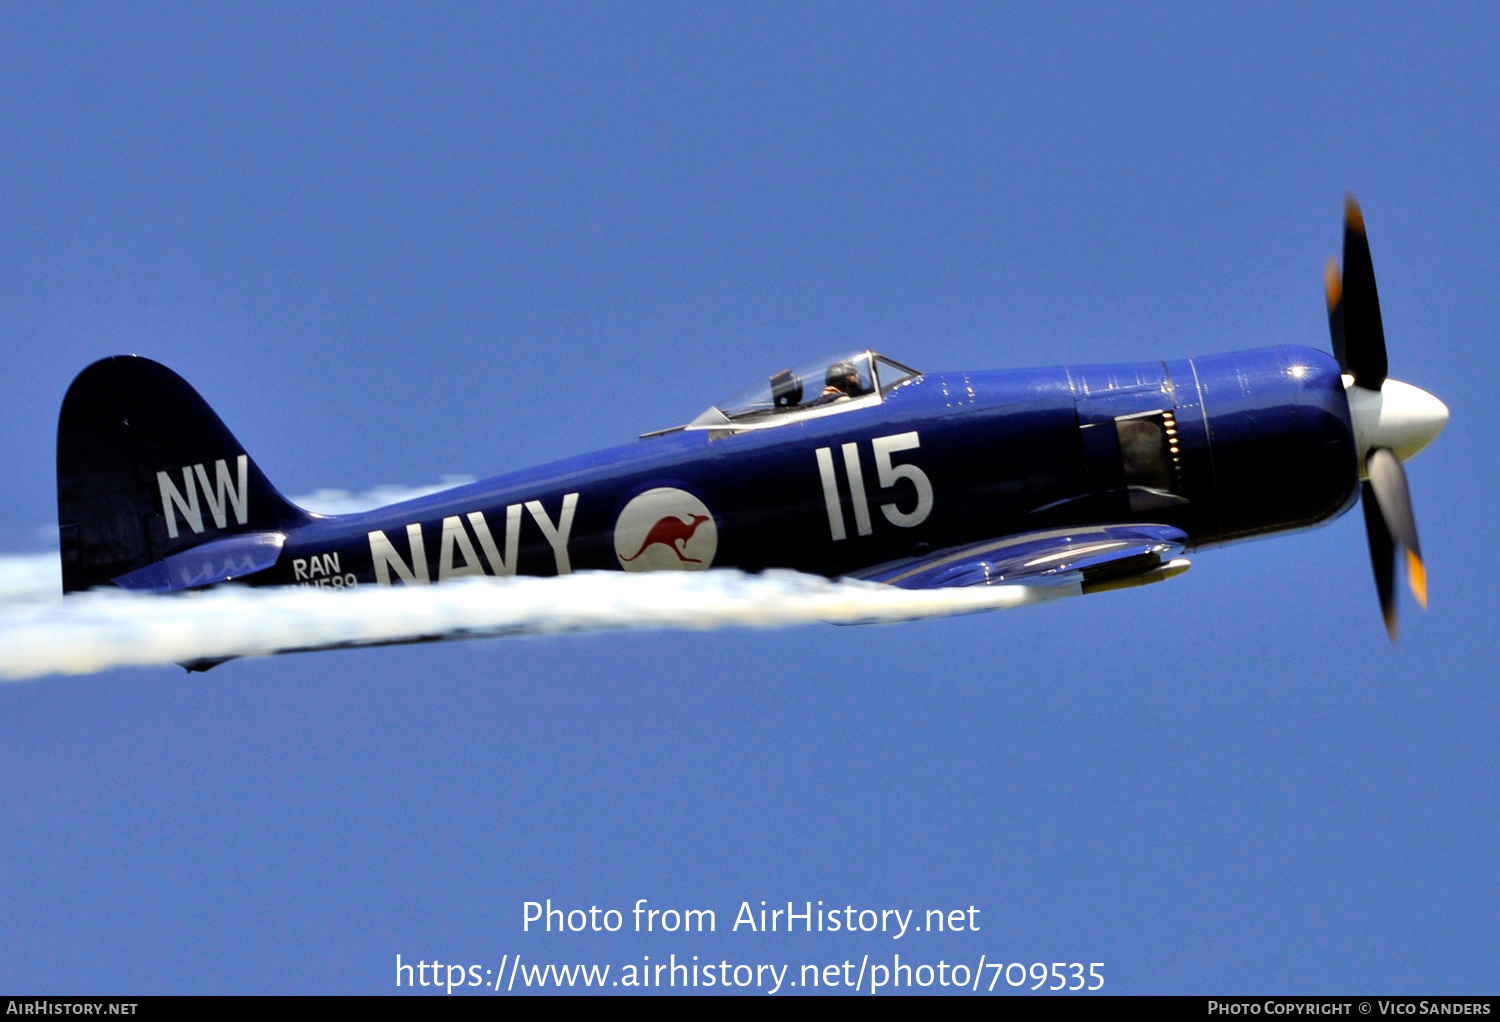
1098, 477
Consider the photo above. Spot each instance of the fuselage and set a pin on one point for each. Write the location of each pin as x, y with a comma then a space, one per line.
1224, 447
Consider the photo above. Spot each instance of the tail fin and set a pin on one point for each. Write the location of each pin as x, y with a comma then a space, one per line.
145, 469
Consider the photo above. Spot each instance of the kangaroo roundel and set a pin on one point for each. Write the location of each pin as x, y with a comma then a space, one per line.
666, 529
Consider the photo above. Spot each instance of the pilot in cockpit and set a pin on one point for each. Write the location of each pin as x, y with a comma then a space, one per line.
840, 383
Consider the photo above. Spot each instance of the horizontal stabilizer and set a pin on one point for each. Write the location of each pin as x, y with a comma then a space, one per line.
221, 560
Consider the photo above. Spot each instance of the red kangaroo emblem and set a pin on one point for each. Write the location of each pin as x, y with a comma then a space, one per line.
669, 532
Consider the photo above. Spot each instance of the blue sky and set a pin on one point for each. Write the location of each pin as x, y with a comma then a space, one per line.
393, 243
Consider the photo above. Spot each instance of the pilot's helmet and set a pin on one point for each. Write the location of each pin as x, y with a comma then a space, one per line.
844, 377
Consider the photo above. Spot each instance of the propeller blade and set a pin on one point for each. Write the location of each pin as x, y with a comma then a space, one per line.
1364, 336
1388, 483
1333, 286
1382, 557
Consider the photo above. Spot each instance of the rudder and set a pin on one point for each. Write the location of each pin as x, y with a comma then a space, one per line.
145, 469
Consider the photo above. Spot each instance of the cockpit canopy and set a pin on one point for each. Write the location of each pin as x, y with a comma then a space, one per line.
824, 386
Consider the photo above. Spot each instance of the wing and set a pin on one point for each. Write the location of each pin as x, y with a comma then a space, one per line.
1093, 557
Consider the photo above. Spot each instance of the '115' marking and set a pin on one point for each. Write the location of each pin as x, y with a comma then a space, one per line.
888, 475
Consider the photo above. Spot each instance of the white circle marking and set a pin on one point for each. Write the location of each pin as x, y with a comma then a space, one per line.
666, 529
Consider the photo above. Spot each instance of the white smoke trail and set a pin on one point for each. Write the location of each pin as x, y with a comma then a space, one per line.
342, 502
28, 578
44, 634
41, 633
